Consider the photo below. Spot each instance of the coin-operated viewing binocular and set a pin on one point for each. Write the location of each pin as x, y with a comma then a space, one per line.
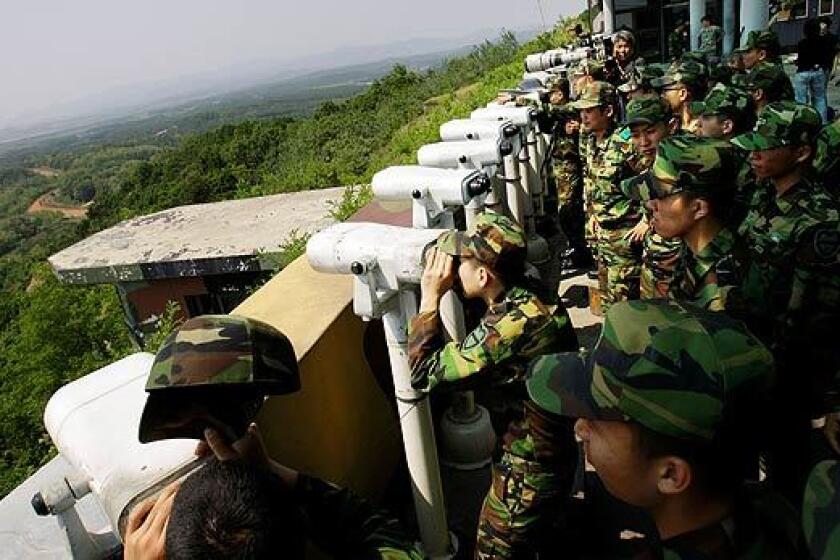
435, 193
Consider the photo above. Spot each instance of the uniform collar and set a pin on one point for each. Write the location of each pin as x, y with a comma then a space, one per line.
720, 246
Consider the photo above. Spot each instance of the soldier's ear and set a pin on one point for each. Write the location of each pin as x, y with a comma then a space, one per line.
673, 125
758, 94
803, 153
674, 475
727, 126
700, 208
609, 110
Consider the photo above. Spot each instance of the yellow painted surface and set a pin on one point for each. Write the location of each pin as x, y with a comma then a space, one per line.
340, 426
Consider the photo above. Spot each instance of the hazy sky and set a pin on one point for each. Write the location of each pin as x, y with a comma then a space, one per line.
58, 51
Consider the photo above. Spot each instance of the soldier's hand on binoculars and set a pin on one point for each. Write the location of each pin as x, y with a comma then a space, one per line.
250, 449
145, 532
438, 275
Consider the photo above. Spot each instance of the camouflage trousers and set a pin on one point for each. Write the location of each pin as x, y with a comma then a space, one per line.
619, 264
529, 482
591, 230
660, 259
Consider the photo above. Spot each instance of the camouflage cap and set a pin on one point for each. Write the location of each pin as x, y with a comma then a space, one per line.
760, 39
727, 101
827, 154
671, 367
596, 94
721, 74
648, 109
783, 123
821, 510
210, 366
493, 239
687, 72
770, 78
685, 163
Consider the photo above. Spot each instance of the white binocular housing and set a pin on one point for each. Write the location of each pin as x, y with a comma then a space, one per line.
524, 117
448, 187
471, 129
383, 258
477, 154
432, 190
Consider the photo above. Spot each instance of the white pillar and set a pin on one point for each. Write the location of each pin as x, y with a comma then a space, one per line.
729, 30
755, 14
418, 435
608, 14
696, 11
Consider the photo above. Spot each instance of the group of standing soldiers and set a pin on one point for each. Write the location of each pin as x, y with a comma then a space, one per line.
699, 193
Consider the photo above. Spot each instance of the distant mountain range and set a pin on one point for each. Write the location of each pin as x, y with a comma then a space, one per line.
344, 70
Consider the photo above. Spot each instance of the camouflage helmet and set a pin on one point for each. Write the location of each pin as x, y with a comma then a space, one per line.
686, 72
596, 94
821, 510
215, 369
783, 123
673, 368
763, 39
648, 109
727, 101
827, 153
494, 240
771, 79
685, 163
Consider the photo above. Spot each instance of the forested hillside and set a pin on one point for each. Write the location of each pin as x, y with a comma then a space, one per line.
51, 334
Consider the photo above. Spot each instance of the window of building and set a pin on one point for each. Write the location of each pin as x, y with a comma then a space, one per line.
800, 10
826, 7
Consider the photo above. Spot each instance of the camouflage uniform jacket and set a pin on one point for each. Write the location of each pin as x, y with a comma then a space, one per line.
710, 39
606, 164
676, 44
704, 277
565, 161
345, 526
791, 283
510, 334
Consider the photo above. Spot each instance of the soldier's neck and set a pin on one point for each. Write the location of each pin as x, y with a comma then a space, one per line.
683, 514
685, 115
601, 134
784, 183
702, 233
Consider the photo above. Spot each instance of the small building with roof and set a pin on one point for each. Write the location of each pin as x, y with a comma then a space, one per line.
207, 258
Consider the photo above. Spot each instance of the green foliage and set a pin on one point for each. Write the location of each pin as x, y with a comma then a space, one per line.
59, 334
352, 200
293, 247
52, 333
166, 325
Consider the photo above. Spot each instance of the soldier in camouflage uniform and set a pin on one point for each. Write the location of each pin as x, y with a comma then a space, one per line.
821, 511
762, 51
790, 295
208, 378
666, 403
678, 41
680, 86
768, 83
650, 121
639, 83
517, 327
826, 161
688, 188
726, 112
568, 178
608, 157
710, 40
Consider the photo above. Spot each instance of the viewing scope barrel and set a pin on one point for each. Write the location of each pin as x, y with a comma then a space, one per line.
478, 154
471, 129
392, 254
448, 187
557, 57
524, 117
